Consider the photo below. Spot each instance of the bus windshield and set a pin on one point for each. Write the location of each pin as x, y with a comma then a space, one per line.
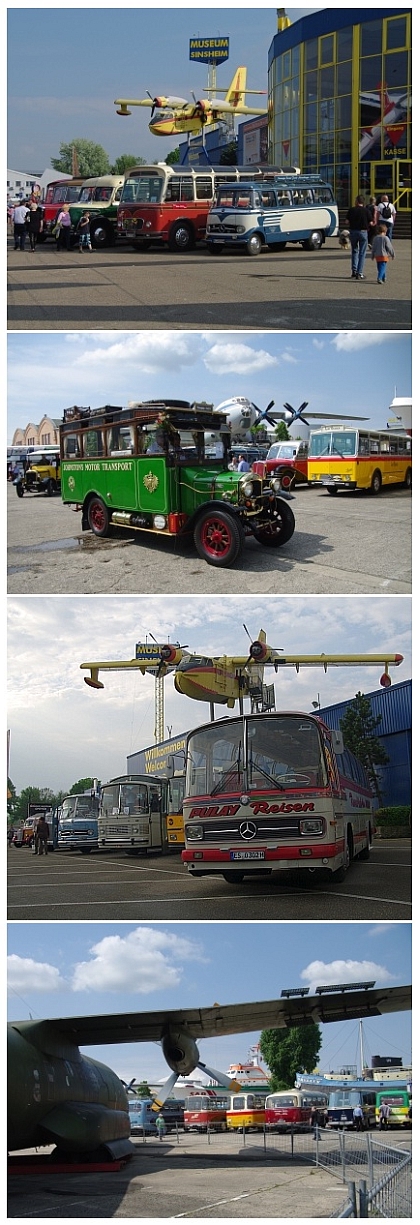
256, 752
142, 188
344, 1097
334, 442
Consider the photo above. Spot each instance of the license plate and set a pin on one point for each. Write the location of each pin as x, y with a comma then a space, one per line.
247, 854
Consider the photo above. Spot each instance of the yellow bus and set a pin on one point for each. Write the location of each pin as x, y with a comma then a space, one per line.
343, 458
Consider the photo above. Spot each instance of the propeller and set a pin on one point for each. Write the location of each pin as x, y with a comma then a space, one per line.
264, 414
182, 1055
297, 413
130, 1086
199, 109
258, 650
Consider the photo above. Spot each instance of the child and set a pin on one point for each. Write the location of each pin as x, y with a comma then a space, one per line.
83, 227
382, 251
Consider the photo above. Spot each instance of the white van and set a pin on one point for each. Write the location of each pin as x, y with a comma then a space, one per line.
253, 215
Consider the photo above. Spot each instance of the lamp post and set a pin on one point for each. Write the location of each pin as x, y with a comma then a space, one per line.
317, 705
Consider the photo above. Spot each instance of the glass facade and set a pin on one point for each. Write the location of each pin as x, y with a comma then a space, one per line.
340, 103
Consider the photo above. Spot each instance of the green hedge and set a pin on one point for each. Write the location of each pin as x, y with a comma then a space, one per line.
400, 815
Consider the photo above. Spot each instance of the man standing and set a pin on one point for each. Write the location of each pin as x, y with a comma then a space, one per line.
358, 1117
19, 226
357, 222
243, 465
384, 1113
42, 834
387, 213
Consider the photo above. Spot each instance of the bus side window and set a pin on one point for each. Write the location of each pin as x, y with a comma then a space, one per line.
284, 199
71, 446
268, 199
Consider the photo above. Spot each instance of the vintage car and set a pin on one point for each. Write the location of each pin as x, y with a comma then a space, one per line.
41, 474
289, 460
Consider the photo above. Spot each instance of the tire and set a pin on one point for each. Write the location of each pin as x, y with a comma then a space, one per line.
365, 854
214, 248
254, 244
341, 873
376, 482
408, 479
233, 878
101, 234
19, 491
141, 246
314, 243
85, 850
280, 531
218, 537
332, 490
181, 237
287, 479
98, 517
50, 487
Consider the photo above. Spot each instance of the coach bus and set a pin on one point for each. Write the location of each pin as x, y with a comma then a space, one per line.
205, 1111
246, 1112
399, 1102
166, 760
291, 1109
342, 458
132, 814
78, 822
169, 204
342, 1103
270, 792
251, 216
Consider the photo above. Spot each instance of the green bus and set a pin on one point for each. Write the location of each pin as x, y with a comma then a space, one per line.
145, 468
99, 197
399, 1102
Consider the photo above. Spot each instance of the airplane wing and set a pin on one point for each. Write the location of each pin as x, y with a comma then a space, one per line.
339, 1004
226, 108
273, 658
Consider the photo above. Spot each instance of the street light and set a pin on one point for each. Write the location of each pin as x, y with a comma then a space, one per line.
317, 705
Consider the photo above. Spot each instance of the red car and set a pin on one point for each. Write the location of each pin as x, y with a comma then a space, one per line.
289, 460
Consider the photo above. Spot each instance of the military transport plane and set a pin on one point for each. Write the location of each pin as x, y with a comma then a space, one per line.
59, 1096
171, 116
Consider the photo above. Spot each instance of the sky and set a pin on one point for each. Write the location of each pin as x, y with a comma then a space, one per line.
88, 969
62, 731
65, 69
342, 372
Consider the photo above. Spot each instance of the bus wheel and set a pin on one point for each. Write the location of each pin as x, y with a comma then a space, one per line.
376, 482
19, 491
215, 248
332, 490
218, 537
408, 479
85, 850
50, 488
101, 234
233, 878
365, 854
181, 237
341, 873
314, 242
98, 517
279, 530
254, 244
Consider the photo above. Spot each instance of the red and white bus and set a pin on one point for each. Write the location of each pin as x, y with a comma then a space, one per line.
169, 204
291, 1108
205, 1111
62, 191
270, 792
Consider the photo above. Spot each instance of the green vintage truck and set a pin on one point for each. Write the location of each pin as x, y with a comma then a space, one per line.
147, 468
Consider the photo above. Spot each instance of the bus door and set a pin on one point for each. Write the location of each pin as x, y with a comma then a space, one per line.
157, 816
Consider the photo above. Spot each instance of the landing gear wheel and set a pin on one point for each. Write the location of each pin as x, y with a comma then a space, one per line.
218, 538
98, 517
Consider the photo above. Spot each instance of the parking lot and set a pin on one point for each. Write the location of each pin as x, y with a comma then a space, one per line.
205, 1177
352, 544
111, 885
119, 288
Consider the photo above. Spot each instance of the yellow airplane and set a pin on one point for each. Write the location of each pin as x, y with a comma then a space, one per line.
227, 679
171, 116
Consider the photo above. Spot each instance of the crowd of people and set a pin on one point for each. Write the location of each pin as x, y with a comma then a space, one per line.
370, 228
27, 220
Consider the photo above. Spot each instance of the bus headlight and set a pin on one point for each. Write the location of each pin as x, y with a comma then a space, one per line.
159, 522
194, 833
275, 484
240, 229
312, 825
247, 488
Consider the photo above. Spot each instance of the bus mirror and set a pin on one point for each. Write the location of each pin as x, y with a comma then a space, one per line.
170, 767
338, 742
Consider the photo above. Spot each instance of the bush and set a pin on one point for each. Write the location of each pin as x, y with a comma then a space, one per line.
400, 815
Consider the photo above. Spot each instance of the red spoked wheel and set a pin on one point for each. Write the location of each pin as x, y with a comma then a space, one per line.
98, 517
218, 538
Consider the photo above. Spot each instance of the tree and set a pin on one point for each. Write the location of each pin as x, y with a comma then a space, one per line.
173, 157
358, 726
84, 784
92, 159
281, 432
289, 1051
125, 161
143, 1089
229, 155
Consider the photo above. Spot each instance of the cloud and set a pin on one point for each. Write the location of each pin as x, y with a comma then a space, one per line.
318, 344
24, 974
151, 352
349, 342
321, 973
288, 357
238, 359
140, 962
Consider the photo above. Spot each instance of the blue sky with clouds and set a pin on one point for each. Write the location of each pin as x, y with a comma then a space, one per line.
343, 372
80, 732
67, 64
84, 968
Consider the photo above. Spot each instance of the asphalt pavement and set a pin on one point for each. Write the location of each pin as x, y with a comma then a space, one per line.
356, 543
119, 288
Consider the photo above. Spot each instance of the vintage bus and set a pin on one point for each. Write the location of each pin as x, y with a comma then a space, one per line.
100, 198
290, 1109
342, 1102
289, 460
78, 822
145, 468
62, 191
343, 458
166, 760
169, 204
399, 1102
133, 814
143, 1118
270, 792
205, 1111
246, 1112
250, 216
